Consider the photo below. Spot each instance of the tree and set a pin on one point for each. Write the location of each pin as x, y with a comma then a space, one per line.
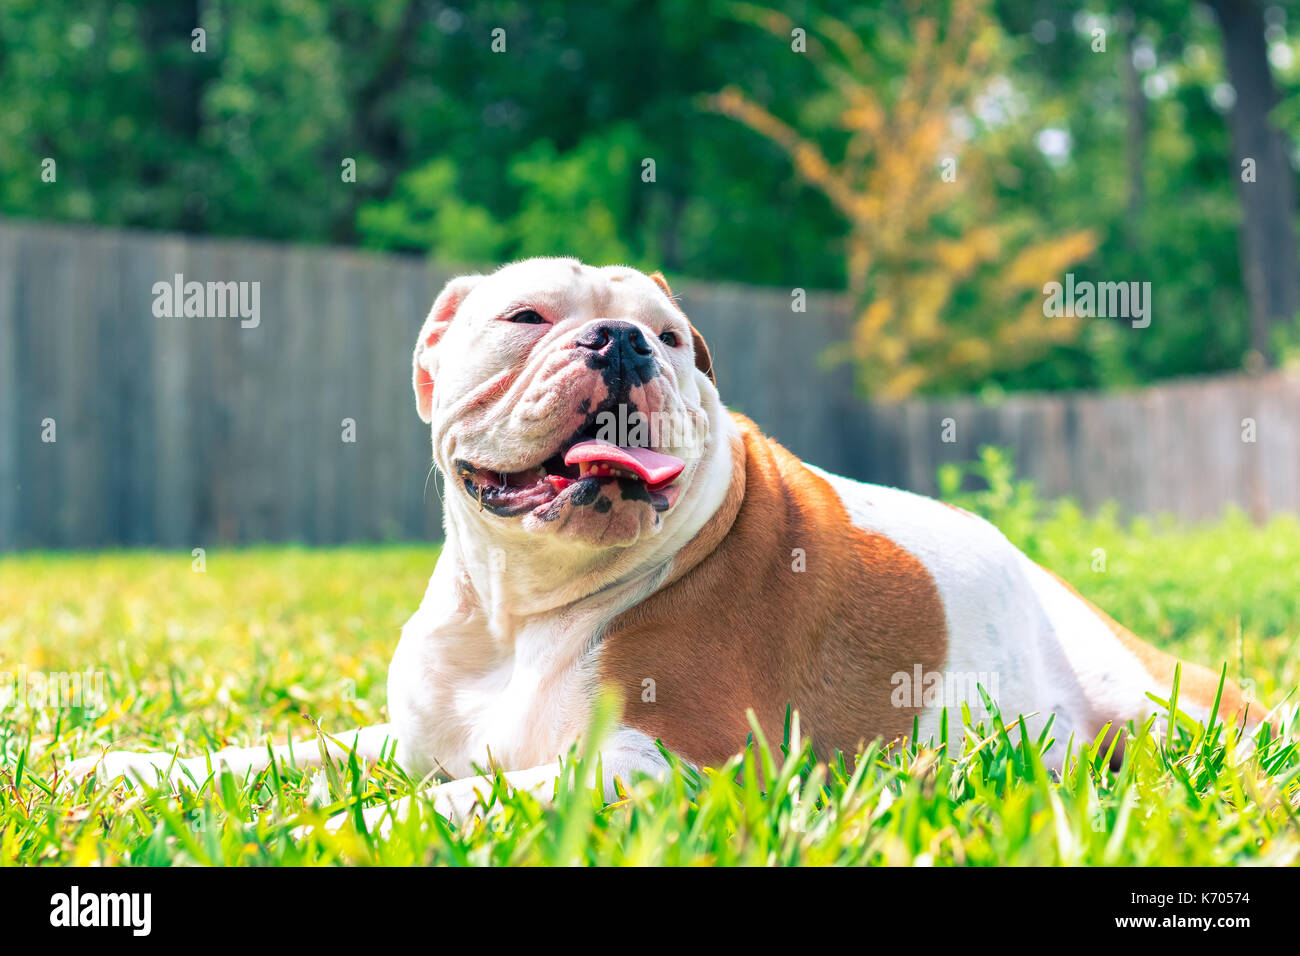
1270, 261
950, 291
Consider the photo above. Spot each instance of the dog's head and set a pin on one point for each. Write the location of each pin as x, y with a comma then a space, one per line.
564, 399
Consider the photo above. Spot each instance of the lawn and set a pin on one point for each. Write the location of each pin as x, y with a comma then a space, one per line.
261, 637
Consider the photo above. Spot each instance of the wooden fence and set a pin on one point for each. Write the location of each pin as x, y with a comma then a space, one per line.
189, 431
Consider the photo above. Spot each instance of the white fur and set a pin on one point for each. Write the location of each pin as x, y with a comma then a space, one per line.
497, 667
1007, 617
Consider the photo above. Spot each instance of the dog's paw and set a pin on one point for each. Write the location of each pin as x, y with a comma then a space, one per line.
378, 820
457, 801
117, 767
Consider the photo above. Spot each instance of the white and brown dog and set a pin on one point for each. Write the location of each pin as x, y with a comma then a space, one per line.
610, 525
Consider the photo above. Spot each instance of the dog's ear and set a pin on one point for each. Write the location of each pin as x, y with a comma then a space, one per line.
440, 316
703, 361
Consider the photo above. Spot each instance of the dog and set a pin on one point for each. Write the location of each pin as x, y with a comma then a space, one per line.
610, 525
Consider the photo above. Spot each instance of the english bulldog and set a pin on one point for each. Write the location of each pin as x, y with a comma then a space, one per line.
609, 524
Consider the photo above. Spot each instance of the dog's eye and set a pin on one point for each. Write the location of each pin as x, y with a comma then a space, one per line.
527, 317
668, 338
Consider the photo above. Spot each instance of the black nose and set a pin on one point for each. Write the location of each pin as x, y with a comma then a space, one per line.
620, 351
614, 335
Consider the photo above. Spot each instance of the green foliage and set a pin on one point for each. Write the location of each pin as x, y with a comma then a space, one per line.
481, 157
1008, 502
1151, 172
234, 655
573, 205
576, 203
1286, 343
426, 211
948, 285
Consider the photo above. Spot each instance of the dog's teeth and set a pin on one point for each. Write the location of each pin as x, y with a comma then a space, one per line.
541, 472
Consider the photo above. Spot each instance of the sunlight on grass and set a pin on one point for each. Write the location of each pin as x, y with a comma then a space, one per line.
265, 636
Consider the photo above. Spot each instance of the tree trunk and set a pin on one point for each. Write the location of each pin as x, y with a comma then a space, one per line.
1270, 264
181, 75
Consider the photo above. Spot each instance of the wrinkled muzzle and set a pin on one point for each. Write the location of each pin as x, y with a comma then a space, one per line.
593, 437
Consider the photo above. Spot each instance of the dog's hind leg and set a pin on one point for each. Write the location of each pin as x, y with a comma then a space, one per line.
1117, 673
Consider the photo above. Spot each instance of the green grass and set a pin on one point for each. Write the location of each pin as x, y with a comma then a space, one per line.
267, 635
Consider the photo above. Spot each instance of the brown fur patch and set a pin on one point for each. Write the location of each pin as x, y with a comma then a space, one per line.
740, 628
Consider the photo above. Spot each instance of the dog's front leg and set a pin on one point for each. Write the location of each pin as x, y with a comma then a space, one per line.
369, 743
457, 800
627, 753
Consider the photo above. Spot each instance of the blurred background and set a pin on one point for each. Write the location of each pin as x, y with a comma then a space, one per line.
859, 205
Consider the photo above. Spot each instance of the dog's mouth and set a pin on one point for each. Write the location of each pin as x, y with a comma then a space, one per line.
576, 474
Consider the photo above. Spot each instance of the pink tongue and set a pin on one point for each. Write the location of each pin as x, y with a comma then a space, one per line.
651, 466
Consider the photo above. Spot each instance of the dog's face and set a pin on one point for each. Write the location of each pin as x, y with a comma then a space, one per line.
564, 399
